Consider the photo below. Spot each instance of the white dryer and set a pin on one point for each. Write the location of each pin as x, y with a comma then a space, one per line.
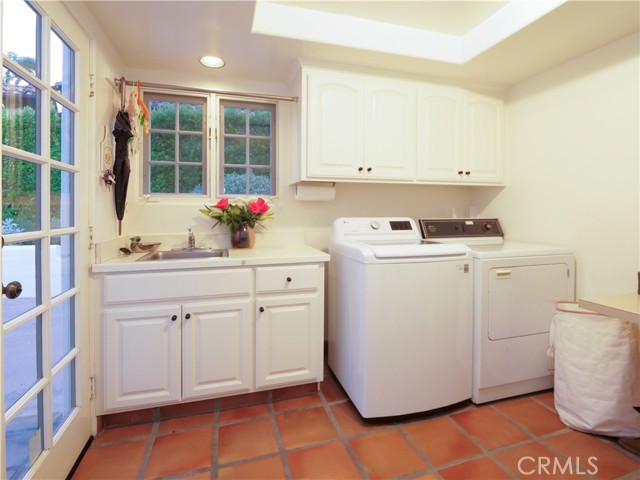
516, 287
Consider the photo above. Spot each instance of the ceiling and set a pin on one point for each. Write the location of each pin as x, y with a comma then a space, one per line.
170, 36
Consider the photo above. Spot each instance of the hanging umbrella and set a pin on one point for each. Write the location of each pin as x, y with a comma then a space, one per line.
121, 167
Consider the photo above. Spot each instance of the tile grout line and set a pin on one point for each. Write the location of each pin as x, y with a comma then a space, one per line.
342, 437
282, 453
147, 453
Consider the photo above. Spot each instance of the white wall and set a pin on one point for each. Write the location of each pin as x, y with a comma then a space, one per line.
573, 165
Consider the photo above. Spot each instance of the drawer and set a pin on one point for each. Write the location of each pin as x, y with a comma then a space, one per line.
289, 278
142, 287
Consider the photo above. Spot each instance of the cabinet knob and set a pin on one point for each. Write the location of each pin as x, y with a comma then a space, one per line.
187, 316
360, 169
289, 279
369, 169
467, 173
261, 309
460, 172
174, 318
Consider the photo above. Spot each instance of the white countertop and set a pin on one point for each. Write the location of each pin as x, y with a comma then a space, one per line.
625, 306
237, 257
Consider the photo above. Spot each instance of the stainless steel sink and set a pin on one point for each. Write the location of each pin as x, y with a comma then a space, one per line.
184, 254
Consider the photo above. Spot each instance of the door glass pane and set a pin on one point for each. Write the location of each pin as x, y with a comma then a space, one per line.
64, 394
20, 196
25, 439
61, 133
190, 148
62, 330
235, 182
21, 262
20, 112
190, 179
62, 278
191, 117
61, 199
22, 361
163, 115
62, 66
260, 179
20, 27
163, 179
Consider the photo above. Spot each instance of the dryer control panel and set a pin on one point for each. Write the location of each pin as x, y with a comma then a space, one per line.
460, 228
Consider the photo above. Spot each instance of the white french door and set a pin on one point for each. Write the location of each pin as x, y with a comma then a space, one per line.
44, 358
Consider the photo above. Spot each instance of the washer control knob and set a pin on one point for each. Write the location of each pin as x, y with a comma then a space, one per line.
375, 225
487, 227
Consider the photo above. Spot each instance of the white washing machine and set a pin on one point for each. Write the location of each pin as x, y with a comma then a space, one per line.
399, 317
516, 287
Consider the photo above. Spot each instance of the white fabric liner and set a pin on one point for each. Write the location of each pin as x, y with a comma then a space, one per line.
596, 371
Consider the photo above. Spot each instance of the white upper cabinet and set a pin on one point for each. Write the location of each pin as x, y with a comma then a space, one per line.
358, 128
483, 139
368, 128
335, 130
440, 133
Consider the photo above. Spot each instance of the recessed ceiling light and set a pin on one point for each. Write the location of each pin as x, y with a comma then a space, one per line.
213, 62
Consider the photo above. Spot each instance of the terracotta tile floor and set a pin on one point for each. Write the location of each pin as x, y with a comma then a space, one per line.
303, 433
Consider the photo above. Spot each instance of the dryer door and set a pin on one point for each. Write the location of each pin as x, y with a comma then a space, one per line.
522, 298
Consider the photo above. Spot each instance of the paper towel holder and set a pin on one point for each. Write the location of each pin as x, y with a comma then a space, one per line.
315, 191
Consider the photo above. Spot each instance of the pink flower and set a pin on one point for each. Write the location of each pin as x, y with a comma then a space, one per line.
223, 203
254, 207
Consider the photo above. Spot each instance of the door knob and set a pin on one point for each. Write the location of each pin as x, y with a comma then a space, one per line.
12, 290
261, 309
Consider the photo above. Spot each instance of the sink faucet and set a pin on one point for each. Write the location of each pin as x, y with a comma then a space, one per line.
191, 240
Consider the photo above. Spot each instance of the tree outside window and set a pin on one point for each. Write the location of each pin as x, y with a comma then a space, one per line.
248, 148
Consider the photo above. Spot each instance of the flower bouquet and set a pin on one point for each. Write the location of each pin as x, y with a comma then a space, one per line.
240, 218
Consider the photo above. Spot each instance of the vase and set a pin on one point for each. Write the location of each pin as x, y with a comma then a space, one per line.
244, 237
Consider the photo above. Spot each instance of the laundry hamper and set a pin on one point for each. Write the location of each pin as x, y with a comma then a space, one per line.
596, 382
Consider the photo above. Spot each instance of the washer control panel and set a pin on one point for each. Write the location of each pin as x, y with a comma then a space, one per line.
460, 228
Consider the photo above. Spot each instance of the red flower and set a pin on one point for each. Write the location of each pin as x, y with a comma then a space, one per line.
223, 203
254, 207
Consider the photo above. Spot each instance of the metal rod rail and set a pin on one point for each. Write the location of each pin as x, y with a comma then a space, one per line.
121, 82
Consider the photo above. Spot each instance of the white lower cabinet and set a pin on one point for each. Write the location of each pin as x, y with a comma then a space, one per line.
216, 349
141, 356
263, 331
287, 349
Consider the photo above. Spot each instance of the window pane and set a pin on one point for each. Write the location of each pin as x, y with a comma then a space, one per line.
260, 123
63, 388
260, 152
25, 438
62, 277
20, 196
191, 148
163, 147
21, 360
20, 113
20, 25
190, 179
260, 179
235, 120
62, 67
191, 117
163, 115
61, 133
235, 182
163, 179
235, 151
21, 263
61, 198
62, 330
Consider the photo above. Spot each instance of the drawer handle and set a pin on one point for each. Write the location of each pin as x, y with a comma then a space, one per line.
503, 274
187, 316
261, 309
174, 318
289, 279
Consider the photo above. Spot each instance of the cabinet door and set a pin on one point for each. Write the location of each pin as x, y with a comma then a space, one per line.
390, 130
141, 356
440, 133
289, 340
216, 348
334, 125
483, 144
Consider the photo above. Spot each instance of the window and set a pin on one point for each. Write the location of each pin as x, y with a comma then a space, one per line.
248, 148
175, 151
